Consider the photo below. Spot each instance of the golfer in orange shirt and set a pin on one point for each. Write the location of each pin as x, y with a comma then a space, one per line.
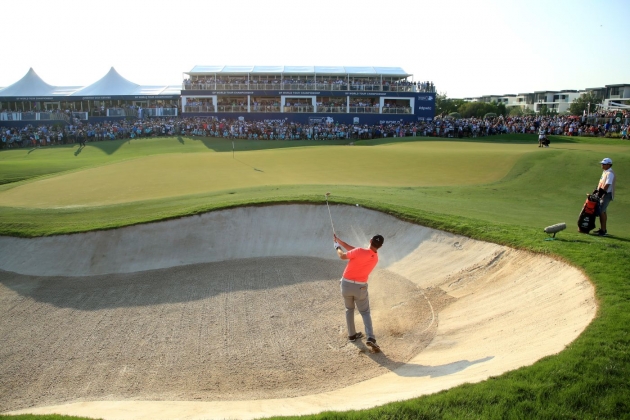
354, 287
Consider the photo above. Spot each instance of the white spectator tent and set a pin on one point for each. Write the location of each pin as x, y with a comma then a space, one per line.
31, 85
113, 84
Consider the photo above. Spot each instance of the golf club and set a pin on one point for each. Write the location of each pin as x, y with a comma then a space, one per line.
331, 222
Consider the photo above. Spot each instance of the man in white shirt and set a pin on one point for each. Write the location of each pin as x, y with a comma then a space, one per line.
606, 192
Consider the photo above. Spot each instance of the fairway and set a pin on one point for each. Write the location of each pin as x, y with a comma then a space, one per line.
171, 175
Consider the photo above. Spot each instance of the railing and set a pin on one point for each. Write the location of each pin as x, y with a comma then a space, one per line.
364, 109
265, 108
603, 120
300, 86
116, 112
331, 109
80, 115
10, 116
32, 116
159, 112
232, 108
397, 110
299, 108
199, 108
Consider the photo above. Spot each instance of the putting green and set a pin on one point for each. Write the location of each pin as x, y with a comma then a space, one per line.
176, 175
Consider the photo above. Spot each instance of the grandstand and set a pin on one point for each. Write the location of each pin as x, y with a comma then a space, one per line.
307, 94
303, 94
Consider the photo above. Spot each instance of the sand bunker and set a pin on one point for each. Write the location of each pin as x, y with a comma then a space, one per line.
237, 314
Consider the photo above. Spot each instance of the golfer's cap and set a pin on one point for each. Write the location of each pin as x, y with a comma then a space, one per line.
606, 161
377, 241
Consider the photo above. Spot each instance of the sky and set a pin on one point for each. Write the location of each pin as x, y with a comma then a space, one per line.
467, 48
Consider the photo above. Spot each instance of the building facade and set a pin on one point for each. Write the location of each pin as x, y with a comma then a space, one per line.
349, 95
613, 97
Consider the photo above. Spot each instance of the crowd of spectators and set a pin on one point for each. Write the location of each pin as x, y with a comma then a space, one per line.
549, 125
80, 131
611, 114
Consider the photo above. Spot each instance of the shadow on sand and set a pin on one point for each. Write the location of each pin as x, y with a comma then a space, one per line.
410, 370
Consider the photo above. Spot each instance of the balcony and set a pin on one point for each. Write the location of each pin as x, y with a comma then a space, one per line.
312, 86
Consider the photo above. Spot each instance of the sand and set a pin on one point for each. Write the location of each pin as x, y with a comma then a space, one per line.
237, 314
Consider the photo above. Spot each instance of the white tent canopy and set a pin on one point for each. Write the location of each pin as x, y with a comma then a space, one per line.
33, 85
113, 84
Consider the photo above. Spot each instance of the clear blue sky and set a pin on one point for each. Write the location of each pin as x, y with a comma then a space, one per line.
466, 47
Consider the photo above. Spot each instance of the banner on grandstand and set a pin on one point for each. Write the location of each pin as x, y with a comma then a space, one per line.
327, 93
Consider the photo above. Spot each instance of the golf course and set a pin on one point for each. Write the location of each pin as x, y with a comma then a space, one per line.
499, 192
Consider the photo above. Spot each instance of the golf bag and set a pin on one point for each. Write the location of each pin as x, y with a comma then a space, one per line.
590, 211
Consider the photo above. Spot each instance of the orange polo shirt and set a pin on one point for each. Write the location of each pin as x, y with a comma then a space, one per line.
361, 263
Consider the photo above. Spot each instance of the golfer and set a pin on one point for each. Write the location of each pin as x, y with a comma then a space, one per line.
354, 286
606, 193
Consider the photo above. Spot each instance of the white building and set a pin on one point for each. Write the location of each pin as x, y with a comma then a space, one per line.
617, 96
560, 101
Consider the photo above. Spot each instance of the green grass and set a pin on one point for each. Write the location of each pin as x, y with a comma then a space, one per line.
589, 379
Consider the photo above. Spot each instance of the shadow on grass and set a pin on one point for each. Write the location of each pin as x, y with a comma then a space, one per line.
108, 146
496, 139
247, 164
614, 238
241, 145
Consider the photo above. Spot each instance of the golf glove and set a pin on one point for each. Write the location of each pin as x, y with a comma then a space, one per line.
337, 246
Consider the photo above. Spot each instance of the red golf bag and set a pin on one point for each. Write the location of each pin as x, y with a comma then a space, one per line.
590, 211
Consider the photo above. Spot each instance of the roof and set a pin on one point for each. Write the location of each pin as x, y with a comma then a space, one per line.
113, 84
33, 85
296, 70
110, 84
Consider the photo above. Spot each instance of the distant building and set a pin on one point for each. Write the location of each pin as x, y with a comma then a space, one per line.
613, 96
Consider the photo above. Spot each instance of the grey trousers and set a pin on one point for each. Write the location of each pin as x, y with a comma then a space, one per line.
357, 294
